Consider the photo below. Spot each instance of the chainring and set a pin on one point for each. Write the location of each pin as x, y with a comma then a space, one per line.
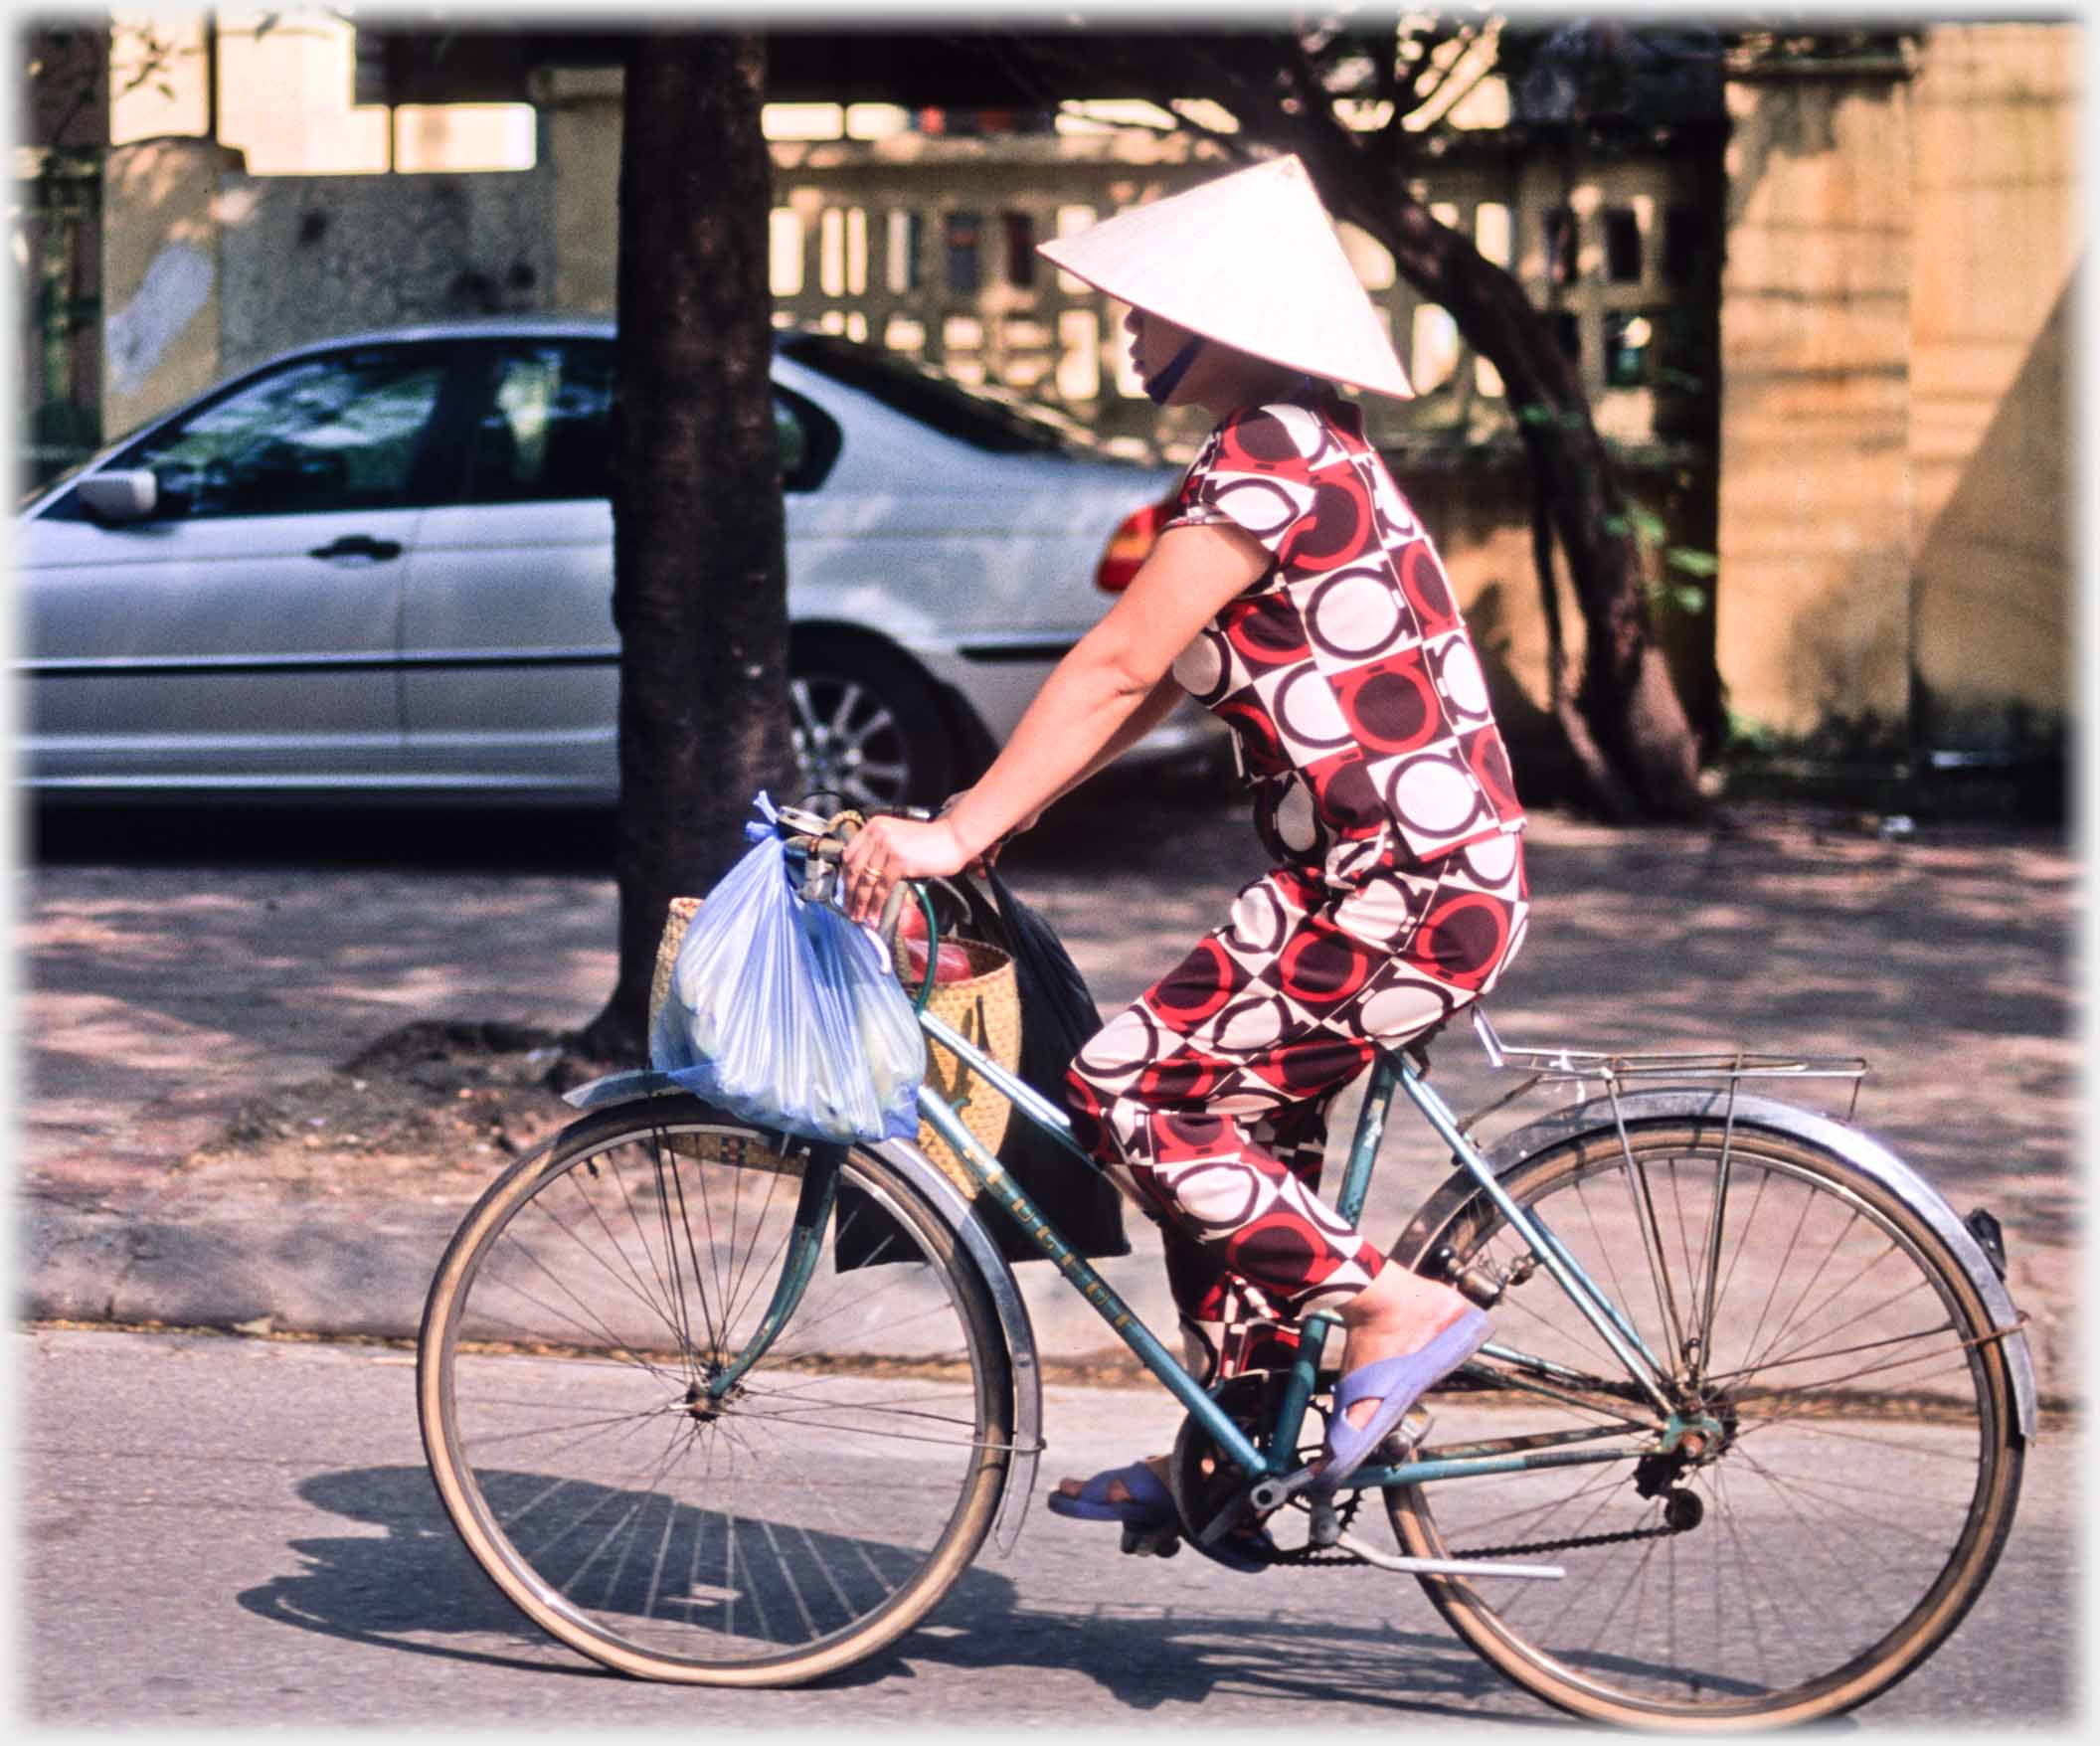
1204, 1481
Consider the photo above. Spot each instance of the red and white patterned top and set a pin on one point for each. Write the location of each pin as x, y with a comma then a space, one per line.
1346, 671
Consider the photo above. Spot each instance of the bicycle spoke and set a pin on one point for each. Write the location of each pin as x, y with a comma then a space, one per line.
800, 1515
1851, 1439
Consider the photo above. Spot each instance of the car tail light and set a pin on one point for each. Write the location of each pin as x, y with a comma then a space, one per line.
1128, 546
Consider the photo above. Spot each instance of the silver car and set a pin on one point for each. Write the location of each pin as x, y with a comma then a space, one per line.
381, 568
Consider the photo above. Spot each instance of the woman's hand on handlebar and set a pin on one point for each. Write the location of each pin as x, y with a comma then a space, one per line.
886, 850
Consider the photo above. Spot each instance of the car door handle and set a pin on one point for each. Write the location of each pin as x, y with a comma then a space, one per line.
358, 546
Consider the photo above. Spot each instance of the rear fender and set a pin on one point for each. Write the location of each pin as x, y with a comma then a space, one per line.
1861, 1150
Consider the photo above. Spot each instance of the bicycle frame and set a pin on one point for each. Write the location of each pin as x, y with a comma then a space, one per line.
1387, 1072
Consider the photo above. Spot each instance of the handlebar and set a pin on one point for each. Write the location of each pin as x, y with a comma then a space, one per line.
818, 842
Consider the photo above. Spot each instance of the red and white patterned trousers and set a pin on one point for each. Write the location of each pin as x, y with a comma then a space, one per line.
1206, 1098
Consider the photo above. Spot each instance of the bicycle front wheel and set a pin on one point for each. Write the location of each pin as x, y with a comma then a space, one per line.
691, 1444
1854, 1465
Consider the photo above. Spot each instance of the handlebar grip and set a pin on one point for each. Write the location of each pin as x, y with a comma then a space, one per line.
893, 909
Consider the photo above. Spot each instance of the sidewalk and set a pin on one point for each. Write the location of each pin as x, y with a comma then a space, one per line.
153, 999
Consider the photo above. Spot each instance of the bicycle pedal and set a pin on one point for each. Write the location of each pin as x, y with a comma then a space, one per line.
1152, 1542
1408, 1436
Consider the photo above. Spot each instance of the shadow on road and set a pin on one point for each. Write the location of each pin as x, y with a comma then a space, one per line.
1114, 821
415, 1583
452, 840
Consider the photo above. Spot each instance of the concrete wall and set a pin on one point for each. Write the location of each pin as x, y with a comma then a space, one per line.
1896, 556
161, 276
2001, 231
306, 257
580, 114
210, 271
1813, 608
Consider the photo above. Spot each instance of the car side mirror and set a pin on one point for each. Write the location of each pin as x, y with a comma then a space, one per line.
128, 495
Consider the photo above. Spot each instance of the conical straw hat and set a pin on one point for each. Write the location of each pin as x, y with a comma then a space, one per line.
1249, 259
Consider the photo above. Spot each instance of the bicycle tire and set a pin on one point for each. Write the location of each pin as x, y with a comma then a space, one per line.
799, 1524
1852, 1509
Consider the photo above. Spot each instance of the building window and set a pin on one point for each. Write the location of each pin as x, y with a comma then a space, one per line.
1622, 245
1628, 335
1019, 228
962, 269
1567, 333
1557, 231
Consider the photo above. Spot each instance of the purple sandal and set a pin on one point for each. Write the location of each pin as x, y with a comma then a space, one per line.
1396, 1384
1149, 1504
1149, 1509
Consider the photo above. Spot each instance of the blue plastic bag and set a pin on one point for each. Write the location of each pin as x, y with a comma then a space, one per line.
785, 1014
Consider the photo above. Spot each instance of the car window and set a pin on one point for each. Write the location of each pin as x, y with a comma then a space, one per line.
333, 433
809, 440
545, 431
986, 417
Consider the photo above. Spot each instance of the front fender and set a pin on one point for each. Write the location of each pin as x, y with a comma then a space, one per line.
1853, 1147
1015, 1324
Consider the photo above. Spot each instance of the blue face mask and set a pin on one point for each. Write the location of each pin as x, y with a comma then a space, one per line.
1168, 379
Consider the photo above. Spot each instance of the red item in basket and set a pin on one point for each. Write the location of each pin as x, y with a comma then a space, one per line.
951, 961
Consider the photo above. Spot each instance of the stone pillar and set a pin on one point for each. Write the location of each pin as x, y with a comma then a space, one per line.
581, 110
160, 274
1813, 606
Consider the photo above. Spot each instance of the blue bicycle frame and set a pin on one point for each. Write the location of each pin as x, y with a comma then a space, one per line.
1646, 1373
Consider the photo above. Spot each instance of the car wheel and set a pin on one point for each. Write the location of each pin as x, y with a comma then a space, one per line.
867, 727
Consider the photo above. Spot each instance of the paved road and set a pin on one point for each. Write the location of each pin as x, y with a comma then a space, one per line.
241, 1532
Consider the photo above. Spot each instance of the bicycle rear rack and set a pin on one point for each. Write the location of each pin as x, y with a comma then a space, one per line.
1610, 1071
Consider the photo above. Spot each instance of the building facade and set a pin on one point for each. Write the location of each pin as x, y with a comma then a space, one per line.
1846, 417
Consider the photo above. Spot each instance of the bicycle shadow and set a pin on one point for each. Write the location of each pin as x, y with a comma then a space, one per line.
415, 1582
415, 1586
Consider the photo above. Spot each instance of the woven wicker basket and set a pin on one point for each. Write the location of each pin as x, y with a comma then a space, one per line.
677, 918
985, 1009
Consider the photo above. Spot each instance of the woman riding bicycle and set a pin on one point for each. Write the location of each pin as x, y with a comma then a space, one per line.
1294, 593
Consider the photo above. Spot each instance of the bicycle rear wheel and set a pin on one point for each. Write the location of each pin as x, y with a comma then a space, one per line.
759, 1535
1861, 1463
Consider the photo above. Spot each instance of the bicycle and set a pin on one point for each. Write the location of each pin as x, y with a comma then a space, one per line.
714, 1406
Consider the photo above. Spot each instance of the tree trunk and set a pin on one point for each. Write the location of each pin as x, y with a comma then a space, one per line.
699, 590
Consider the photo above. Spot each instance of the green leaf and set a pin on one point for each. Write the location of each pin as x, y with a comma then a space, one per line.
1693, 561
1687, 596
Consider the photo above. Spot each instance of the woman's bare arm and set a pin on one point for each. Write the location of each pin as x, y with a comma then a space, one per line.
1140, 722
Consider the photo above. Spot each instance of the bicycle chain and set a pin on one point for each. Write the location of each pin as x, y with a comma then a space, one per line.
1619, 1539
1322, 1555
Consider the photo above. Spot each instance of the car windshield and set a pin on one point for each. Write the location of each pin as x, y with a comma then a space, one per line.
989, 418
